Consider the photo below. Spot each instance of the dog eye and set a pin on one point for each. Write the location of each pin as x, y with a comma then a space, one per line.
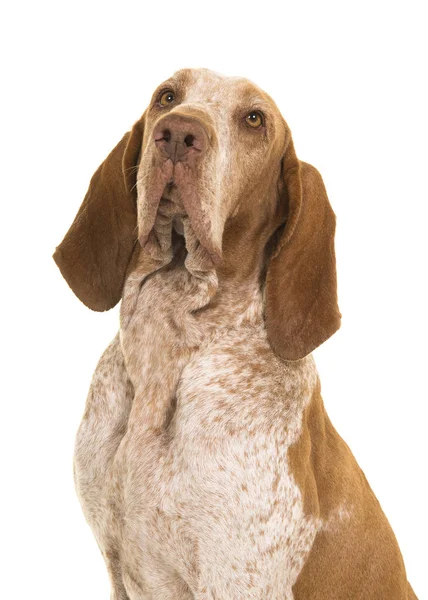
255, 119
166, 98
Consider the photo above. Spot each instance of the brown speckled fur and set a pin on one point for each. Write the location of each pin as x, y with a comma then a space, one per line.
205, 462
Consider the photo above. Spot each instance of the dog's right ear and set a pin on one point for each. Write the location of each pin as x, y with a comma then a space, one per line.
95, 252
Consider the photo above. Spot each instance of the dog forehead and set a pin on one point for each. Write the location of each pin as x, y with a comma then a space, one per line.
203, 86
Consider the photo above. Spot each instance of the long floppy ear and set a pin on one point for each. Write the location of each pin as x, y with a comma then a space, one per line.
301, 308
95, 251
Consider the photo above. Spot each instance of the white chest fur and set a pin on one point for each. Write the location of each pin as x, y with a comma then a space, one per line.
181, 458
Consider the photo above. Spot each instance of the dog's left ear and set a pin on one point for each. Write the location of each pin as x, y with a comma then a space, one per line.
95, 252
301, 309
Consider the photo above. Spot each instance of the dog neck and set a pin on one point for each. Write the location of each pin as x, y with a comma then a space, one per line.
229, 285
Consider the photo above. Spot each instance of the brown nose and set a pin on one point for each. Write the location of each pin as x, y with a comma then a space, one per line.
180, 138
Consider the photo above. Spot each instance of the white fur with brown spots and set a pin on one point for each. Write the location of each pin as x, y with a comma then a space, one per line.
205, 462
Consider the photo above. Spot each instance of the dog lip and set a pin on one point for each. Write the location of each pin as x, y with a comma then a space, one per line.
170, 193
177, 224
143, 239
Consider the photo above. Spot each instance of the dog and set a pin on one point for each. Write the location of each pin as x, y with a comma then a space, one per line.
205, 462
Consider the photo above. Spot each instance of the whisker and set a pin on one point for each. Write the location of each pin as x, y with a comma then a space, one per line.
133, 168
134, 187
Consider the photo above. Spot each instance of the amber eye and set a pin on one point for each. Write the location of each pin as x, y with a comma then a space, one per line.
166, 98
254, 119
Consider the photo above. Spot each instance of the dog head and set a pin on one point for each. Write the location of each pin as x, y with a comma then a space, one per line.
212, 159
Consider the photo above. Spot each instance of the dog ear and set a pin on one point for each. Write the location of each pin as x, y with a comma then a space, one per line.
301, 309
96, 250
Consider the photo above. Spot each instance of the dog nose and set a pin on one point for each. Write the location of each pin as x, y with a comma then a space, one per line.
180, 138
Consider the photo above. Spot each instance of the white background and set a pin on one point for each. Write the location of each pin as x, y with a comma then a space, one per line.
350, 80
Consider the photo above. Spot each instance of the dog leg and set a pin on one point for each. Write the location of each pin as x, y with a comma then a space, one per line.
100, 433
118, 591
